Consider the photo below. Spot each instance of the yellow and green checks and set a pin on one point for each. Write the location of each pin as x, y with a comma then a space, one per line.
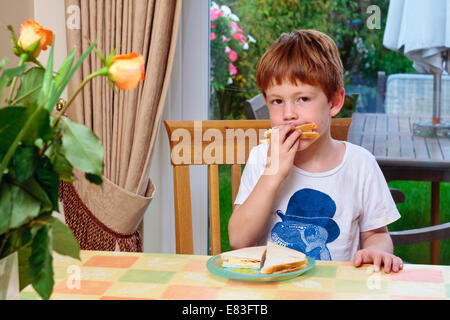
110, 275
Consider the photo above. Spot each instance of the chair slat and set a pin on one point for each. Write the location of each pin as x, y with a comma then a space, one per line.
214, 209
183, 216
235, 180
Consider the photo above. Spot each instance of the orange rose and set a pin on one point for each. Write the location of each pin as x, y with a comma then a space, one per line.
30, 32
127, 70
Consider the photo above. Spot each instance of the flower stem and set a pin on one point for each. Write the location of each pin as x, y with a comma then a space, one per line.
23, 58
101, 72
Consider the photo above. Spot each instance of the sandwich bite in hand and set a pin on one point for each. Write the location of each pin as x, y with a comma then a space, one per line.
307, 132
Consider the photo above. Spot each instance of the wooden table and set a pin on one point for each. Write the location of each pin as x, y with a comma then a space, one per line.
403, 156
108, 275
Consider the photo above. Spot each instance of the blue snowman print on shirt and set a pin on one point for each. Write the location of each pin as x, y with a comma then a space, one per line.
307, 225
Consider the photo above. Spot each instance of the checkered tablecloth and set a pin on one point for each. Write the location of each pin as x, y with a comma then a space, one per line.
109, 275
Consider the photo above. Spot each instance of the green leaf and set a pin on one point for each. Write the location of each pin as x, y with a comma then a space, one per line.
41, 262
24, 267
30, 83
63, 71
8, 75
49, 180
60, 164
17, 239
48, 78
11, 122
98, 180
35, 190
64, 241
25, 162
3, 62
39, 128
5, 207
83, 149
24, 207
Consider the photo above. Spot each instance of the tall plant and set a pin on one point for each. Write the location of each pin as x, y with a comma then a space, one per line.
229, 43
39, 146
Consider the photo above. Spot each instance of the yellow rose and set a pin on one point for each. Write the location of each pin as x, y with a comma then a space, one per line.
30, 32
127, 70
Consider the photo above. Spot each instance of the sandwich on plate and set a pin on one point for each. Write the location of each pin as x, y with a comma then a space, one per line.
307, 132
270, 259
251, 257
280, 259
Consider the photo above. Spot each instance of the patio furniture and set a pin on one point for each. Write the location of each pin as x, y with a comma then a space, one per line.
412, 94
403, 156
227, 152
102, 275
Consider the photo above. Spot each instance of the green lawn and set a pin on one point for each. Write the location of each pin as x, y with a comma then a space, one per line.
415, 213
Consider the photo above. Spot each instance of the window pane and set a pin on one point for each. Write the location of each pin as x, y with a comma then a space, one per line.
241, 31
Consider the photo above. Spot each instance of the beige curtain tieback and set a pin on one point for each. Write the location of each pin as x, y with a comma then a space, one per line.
101, 217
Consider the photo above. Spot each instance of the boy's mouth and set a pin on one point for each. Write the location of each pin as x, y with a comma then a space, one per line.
308, 132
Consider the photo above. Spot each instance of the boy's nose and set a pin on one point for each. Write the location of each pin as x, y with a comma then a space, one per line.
289, 111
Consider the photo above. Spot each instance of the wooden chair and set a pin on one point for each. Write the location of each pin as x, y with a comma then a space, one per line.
240, 153
195, 155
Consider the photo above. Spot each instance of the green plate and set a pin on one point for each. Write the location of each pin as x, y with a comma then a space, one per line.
214, 265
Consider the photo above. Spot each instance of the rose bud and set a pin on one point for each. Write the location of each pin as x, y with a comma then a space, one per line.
30, 32
127, 70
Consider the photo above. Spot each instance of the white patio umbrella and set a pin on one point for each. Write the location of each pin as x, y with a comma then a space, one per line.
421, 30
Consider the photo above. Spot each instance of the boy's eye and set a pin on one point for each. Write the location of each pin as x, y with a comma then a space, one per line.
277, 101
303, 99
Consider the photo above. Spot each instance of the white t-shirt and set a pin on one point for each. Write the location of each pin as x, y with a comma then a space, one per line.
323, 213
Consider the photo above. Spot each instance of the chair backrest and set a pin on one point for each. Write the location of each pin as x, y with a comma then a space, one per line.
212, 143
255, 108
427, 234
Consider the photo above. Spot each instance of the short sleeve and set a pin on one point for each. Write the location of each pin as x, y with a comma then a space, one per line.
253, 170
379, 208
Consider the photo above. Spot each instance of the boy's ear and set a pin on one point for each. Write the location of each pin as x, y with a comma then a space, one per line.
337, 102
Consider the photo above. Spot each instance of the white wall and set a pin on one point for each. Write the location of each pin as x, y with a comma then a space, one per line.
187, 99
51, 14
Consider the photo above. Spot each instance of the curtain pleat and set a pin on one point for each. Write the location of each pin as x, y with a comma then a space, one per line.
126, 122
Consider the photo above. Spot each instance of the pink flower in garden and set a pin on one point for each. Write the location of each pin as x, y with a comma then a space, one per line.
235, 26
232, 69
232, 55
212, 36
213, 25
215, 13
225, 39
240, 37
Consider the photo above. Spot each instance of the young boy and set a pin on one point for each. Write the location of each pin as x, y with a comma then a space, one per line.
326, 198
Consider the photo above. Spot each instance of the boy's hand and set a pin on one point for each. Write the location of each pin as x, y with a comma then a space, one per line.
378, 257
282, 149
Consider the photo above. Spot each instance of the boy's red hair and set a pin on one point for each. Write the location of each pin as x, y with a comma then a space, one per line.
308, 56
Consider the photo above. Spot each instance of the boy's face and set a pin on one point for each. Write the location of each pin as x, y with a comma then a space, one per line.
302, 103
